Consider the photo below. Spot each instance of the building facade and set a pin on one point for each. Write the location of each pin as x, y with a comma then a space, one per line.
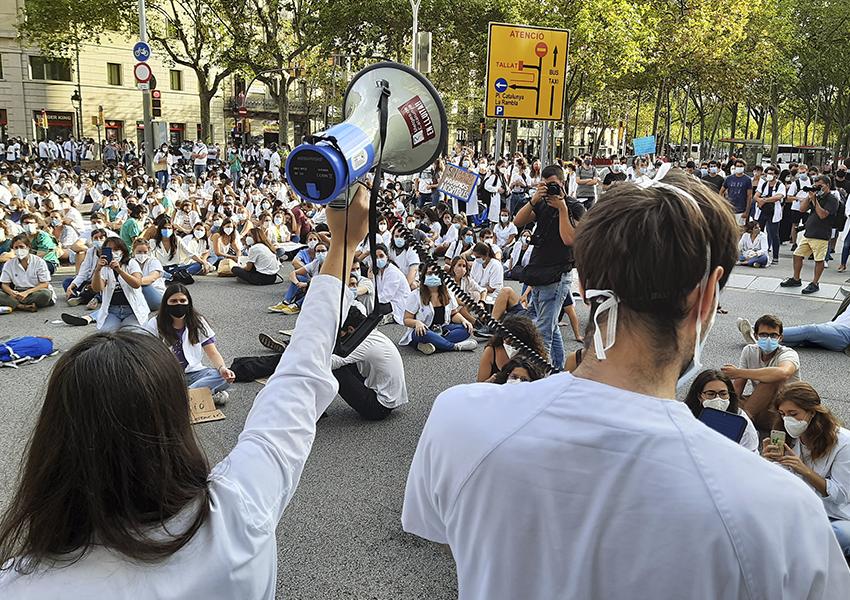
35, 89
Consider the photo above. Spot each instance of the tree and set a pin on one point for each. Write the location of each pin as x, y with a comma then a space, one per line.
82, 21
192, 34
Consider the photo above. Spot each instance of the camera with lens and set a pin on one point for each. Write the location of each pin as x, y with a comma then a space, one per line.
554, 189
810, 188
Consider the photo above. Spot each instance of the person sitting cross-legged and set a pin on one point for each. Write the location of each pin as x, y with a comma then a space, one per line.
767, 365
25, 280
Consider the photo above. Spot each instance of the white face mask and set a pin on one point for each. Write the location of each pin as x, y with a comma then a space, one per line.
509, 350
513, 380
795, 427
717, 404
768, 177
249, 241
29, 227
22, 253
228, 230
141, 257
739, 170
198, 233
311, 244
504, 218
117, 255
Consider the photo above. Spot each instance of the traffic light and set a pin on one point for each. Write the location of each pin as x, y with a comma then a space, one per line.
156, 97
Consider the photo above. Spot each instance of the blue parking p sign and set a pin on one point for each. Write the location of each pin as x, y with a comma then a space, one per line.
500, 110
142, 51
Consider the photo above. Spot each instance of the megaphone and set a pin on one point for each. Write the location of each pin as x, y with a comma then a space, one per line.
322, 168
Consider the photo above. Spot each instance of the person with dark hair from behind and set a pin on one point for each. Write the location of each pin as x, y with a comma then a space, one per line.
498, 352
766, 364
116, 498
549, 270
517, 370
190, 338
262, 266
713, 389
821, 458
371, 378
530, 456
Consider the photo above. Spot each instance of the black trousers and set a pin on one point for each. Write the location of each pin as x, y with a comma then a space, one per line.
359, 397
254, 277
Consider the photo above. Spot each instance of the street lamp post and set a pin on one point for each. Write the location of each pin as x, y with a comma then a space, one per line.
76, 102
414, 5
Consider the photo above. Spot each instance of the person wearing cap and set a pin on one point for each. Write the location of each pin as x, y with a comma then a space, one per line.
546, 489
823, 205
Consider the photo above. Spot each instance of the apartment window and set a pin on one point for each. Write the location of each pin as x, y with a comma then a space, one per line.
176, 80
1, 66
52, 69
113, 73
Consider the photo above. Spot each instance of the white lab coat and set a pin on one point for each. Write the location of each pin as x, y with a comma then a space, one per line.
424, 313
134, 295
378, 361
193, 353
234, 554
492, 184
392, 287
569, 488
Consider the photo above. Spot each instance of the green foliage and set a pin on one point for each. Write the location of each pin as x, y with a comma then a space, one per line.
57, 27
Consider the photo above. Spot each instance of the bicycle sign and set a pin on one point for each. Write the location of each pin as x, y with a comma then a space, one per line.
142, 51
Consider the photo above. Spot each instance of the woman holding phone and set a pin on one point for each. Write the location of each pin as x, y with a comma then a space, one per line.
820, 456
118, 278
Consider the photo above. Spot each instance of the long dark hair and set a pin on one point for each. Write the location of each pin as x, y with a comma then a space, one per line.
523, 328
693, 400
822, 432
195, 324
116, 243
425, 291
107, 464
161, 222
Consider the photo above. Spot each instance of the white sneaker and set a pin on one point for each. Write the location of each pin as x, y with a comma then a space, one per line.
746, 329
220, 398
469, 344
426, 348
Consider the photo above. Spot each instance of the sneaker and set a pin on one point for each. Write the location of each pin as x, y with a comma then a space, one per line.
278, 308
287, 332
775, 261
272, 344
387, 320
791, 282
844, 291
426, 348
746, 329
291, 309
75, 320
75, 301
466, 345
483, 332
27, 307
220, 398
811, 288
93, 304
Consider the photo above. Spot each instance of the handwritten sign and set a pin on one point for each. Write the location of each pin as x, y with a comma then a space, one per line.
644, 145
202, 408
458, 183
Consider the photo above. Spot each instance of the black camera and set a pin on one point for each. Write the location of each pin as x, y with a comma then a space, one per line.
554, 189
809, 188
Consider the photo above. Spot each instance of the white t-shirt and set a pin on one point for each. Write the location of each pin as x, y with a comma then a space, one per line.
234, 554
492, 275
264, 260
751, 359
503, 233
380, 364
568, 488
22, 279
405, 259
202, 151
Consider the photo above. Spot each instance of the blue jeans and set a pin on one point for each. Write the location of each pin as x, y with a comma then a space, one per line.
295, 293
517, 201
547, 301
118, 317
193, 269
824, 335
760, 261
208, 378
773, 237
200, 170
454, 333
162, 179
842, 533
153, 296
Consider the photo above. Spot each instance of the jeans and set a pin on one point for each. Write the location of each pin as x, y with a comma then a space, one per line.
772, 230
842, 533
756, 261
193, 269
517, 201
208, 378
200, 170
295, 293
547, 301
824, 335
162, 179
254, 277
153, 296
454, 333
845, 251
119, 316
353, 390
424, 199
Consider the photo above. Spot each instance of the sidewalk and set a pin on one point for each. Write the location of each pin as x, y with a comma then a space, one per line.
769, 278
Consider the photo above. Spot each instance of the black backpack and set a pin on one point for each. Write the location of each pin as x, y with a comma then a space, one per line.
249, 368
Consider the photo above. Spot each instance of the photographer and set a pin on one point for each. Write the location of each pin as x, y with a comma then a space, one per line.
824, 206
549, 270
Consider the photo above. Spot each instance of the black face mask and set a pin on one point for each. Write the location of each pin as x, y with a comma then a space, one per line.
177, 310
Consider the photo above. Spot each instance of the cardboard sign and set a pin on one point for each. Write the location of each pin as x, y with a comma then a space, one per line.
644, 145
202, 408
458, 183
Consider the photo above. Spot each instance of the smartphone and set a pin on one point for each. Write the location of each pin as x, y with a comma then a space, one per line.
728, 424
777, 438
107, 254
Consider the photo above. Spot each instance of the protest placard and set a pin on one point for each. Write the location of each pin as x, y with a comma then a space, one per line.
202, 408
457, 182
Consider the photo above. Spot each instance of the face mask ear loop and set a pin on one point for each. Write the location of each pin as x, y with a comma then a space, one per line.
610, 304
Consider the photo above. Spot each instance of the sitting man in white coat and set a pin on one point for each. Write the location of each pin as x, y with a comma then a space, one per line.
599, 484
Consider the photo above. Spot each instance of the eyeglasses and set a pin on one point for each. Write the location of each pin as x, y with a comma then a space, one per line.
711, 395
772, 336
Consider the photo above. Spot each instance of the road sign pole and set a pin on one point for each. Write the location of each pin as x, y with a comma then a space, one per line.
500, 138
544, 144
146, 98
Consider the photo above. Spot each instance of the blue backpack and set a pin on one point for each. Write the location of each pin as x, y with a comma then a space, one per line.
27, 349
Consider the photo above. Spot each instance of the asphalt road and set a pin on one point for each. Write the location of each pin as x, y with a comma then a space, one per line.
341, 536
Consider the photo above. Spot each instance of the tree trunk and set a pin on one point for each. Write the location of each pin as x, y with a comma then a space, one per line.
747, 126
774, 125
514, 127
657, 114
637, 114
668, 124
733, 125
283, 112
205, 98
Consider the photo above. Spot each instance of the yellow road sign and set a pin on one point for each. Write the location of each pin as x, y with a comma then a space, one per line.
526, 72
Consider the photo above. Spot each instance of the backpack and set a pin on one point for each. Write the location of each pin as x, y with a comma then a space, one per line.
27, 349
249, 368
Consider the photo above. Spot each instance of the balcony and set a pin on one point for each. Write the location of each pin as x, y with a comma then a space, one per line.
256, 103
